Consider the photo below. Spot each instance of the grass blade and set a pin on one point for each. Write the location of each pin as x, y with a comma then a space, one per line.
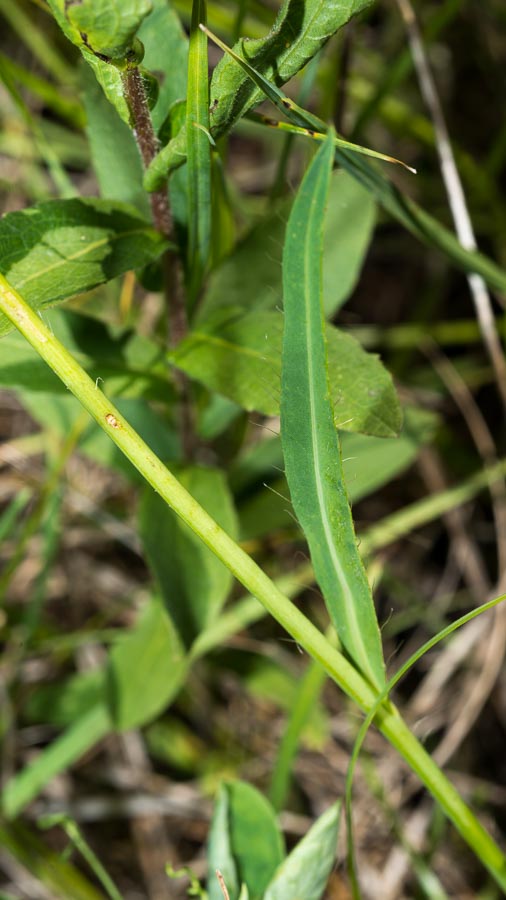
317, 130
310, 442
199, 153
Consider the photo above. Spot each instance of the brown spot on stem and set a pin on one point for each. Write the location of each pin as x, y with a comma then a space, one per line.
112, 421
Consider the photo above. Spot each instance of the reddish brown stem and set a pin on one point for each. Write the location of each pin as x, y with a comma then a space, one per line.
147, 141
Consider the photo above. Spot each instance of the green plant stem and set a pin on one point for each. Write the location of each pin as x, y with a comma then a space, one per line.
250, 575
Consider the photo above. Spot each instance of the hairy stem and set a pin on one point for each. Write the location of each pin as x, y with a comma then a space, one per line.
147, 143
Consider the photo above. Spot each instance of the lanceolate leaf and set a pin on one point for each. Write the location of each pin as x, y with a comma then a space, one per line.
301, 29
64, 247
310, 443
239, 355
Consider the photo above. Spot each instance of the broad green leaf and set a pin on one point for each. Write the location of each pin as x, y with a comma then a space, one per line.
300, 30
114, 152
199, 154
305, 872
193, 581
56, 249
145, 669
253, 271
251, 274
107, 27
238, 355
347, 232
254, 839
310, 442
219, 852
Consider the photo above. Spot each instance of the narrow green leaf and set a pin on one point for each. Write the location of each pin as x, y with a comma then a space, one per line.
368, 463
239, 355
310, 443
302, 27
64, 751
193, 581
56, 249
199, 153
145, 669
305, 872
304, 703
264, 87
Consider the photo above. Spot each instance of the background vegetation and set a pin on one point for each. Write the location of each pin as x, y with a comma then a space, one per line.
83, 544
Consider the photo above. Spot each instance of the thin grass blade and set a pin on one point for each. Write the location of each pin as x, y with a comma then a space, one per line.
318, 129
199, 153
310, 442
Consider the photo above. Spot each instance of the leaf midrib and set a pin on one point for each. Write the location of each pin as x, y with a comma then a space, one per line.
110, 239
356, 640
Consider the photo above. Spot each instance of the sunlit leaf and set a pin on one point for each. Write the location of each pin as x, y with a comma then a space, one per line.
239, 355
64, 247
